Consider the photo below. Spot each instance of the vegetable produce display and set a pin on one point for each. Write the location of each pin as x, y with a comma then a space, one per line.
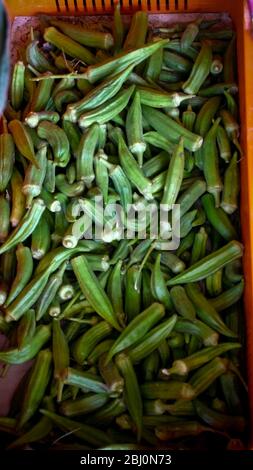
133, 344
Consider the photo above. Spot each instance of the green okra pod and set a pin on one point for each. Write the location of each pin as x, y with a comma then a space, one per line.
29, 350
200, 70
88, 434
25, 227
162, 123
23, 272
92, 290
209, 264
106, 112
229, 202
218, 218
36, 386
174, 176
86, 343
220, 421
132, 391
7, 156
206, 311
57, 140
85, 155
68, 45
152, 340
137, 328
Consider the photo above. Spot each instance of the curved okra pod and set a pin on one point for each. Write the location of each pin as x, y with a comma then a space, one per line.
218, 218
88, 434
158, 285
167, 126
209, 264
182, 303
98, 95
174, 176
68, 45
137, 328
203, 124
86, 343
23, 140
36, 386
29, 350
200, 70
229, 297
186, 365
106, 112
85, 155
220, 421
23, 273
92, 290
132, 391
206, 312
152, 340
58, 141
25, 227
120, 61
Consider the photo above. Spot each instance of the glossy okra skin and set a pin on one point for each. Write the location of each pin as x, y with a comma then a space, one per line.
124, 333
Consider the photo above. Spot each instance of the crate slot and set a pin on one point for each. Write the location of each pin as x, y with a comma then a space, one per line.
57, 5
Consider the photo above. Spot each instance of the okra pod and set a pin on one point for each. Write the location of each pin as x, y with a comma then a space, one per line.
132, 391
92, 290
209, 264
29, 350
68, 45
206, 311
229, 202
36, 386
162, 123
25, 227
218, 218
200, 70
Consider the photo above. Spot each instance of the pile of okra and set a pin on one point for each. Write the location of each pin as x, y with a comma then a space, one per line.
132, 345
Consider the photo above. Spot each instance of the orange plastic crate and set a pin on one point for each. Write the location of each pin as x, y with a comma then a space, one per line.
239, 12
